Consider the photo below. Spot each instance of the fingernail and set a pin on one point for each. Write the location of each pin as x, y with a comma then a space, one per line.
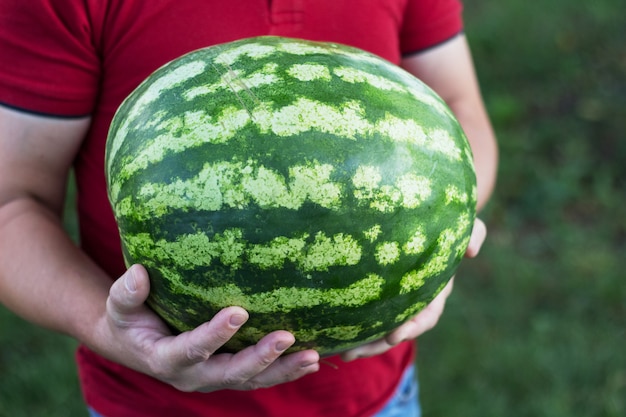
282, 346
311, 364
237, 320
130, 282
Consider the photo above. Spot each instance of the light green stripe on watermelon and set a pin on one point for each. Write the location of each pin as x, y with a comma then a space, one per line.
307, 335
237, 82
303, 115
200, 129
336, 332
387, 253
283, 299
373, 232
306, 115
416, 243
409, 131
237, 185
410, 190
319, 254
231, 249
309, 72
260, 50
152, 93
354, 75
344, 335
455, 195
451, 244
251, 50
410, 312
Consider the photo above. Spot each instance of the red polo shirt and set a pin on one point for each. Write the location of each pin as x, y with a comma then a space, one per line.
79, 57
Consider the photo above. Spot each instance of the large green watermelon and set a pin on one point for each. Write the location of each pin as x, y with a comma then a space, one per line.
323, 189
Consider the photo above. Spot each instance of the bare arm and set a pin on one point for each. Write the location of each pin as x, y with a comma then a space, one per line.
449, 70
46, 279
35, 156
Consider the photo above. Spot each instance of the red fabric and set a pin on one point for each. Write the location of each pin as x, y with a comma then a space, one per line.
359, 388
79, 57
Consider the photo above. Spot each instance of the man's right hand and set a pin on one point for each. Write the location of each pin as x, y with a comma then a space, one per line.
140, 340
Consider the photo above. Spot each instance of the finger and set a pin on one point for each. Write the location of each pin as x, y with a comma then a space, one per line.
286, 368
254, 367
424, 320
127, 295
477, 238
255, 359
199, 344
262, 365
370, 349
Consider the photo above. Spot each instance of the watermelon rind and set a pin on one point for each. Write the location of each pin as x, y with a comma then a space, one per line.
325, 190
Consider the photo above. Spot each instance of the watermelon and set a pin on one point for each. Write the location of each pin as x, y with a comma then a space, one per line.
323, 189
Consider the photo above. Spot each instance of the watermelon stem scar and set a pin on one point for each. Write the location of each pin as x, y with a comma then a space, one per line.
233, 77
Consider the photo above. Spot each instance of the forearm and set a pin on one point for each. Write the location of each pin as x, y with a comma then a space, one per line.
475, 122
44, 277
448, 69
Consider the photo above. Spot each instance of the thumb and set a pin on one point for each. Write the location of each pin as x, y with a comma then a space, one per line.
128, 293
479, 234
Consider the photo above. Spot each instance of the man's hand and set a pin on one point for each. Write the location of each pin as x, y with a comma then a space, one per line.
425, 319
140, 340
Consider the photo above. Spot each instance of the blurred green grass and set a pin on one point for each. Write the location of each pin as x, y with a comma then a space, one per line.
536, 325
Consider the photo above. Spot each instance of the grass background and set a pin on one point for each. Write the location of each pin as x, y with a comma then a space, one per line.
536, 325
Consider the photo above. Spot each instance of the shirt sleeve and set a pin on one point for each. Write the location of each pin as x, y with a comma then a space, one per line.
49, 63
428, 23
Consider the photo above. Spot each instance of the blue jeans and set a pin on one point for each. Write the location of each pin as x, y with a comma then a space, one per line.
404, 403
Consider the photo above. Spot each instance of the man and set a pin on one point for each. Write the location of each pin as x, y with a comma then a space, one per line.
66, 67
